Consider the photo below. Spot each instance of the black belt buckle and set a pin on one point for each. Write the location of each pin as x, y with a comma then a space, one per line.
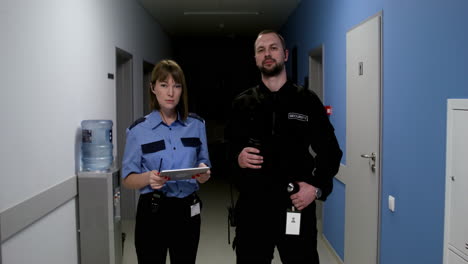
155, 202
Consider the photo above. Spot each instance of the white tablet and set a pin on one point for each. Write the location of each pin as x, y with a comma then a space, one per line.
183, 174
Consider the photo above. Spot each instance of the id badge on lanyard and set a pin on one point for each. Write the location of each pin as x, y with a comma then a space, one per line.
195, 208
293, 221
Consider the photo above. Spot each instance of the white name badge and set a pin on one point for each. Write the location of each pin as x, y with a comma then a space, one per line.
195, 209
293, 223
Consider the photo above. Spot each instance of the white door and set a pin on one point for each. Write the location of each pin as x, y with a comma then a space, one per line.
458, 218
363, 115
456, 184
455, 259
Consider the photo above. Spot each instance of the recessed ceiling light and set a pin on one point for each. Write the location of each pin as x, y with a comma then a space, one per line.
221, 13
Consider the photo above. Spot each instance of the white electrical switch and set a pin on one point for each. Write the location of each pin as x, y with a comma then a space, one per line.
391, 203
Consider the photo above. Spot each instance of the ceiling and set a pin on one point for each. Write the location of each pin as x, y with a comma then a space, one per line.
219, 17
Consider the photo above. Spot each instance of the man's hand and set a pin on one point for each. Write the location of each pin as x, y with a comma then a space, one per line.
203, 177
249, 158
304, 197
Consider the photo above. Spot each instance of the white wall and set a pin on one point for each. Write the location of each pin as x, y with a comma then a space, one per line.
55, 56
38, 244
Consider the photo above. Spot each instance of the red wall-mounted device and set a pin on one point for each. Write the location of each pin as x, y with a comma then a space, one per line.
328, 108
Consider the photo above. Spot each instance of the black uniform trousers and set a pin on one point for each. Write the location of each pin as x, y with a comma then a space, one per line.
168, 227
259, 231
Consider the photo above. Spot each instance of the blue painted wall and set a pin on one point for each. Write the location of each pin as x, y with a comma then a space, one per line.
425, 62
334, 213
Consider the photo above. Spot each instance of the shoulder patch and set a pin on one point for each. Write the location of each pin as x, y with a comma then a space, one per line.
138, 121
193, 115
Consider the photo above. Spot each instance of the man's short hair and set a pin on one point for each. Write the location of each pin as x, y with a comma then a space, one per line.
269, 31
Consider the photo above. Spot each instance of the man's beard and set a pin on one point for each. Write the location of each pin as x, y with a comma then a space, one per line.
275, 71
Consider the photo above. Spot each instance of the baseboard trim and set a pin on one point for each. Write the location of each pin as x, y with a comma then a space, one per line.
341, 172
331, 249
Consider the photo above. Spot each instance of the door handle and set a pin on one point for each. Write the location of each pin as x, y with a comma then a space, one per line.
372, 157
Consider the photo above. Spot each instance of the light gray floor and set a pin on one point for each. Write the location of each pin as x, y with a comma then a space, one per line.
214, 247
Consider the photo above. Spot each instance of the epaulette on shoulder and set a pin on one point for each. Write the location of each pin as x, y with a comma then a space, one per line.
193, 115
299, 87
138, 121
247, 92
304, 90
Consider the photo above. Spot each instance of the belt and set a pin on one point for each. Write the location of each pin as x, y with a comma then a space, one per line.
158, 198
162, 197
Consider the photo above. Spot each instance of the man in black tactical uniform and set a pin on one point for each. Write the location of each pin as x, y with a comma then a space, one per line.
271, 129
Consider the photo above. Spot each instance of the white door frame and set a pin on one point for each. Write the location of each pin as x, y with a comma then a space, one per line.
124, 104
316, 75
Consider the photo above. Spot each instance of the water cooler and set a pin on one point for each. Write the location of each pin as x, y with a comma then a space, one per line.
99, 217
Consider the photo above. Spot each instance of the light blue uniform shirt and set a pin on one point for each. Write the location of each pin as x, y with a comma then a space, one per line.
181, 145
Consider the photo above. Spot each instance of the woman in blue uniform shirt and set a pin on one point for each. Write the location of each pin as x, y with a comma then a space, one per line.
168, 213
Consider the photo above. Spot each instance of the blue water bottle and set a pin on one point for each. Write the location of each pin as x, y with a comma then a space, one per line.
96, 145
